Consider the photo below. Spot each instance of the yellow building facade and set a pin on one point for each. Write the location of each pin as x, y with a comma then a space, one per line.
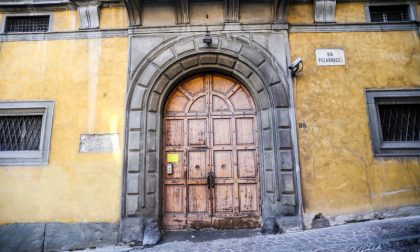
107, 68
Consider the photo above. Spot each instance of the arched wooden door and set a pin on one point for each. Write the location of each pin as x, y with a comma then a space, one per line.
210, 173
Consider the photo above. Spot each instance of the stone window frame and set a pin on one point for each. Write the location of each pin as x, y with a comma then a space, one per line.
412, 9
374, 97
26, 14
25, 158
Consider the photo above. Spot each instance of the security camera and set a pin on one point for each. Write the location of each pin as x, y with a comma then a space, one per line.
296, 66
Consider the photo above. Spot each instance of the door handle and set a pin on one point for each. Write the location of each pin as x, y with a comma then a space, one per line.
208, 180
211, 180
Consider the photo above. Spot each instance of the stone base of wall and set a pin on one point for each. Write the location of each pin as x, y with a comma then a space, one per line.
56, 236
73, 236
134, 231
310, 218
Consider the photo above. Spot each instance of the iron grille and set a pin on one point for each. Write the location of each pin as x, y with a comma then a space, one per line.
400, 122
389, 13
27, 24
18, 133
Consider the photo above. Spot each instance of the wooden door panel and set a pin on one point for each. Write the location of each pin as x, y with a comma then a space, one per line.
223, 198
245, 131
221, 84
177, 167
177, 102
197, 199
221, 132
174, 222
223, 164
210, 124
237, 222
175, 199
199, 105
174, 132
241, 100
248, 198
197, 165
219, 104
197, 131
194, 85
247, 166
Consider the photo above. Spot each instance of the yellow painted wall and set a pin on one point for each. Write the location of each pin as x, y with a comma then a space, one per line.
418, 10
339, 173
301, 14
158, 15
251, 13
350, 13
206, 13
113, 18
345, 13
66, 20
87, 81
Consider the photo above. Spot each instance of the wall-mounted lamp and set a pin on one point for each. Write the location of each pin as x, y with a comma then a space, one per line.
296, 67
207, 39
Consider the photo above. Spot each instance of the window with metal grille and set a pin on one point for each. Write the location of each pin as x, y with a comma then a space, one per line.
400, 122
18, 133
389, 13
394, 121
25, 132
27, 23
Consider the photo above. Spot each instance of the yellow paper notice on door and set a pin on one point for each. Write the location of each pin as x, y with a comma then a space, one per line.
172, 157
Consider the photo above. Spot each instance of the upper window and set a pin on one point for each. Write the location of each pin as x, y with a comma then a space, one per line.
394, 120
25, 132
37, 23
389, 13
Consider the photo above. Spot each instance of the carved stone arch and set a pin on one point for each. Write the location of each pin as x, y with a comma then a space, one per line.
241, 47
169, 64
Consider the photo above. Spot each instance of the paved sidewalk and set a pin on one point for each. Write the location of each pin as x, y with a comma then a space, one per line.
400, 234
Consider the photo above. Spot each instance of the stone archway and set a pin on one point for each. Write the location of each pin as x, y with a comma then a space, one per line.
151, 83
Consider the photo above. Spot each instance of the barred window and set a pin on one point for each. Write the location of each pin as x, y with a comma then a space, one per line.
25, 132
389, 13
394, 121
27, 23
19, 133
400, 122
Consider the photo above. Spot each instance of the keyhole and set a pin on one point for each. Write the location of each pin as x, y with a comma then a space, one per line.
223, 166
197, 167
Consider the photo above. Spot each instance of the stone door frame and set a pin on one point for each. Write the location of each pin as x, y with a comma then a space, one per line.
155, 77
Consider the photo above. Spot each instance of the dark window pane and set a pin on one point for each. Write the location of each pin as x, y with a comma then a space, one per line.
27, 24
389, 13
19, 133
400, 122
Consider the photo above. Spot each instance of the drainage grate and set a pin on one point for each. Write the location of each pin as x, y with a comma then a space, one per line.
389, 13
400, 122
19, 133
27, 24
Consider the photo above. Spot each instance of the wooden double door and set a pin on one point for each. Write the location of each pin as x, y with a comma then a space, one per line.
210, 173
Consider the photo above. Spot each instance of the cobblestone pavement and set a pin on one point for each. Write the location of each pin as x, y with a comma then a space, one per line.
401, 234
